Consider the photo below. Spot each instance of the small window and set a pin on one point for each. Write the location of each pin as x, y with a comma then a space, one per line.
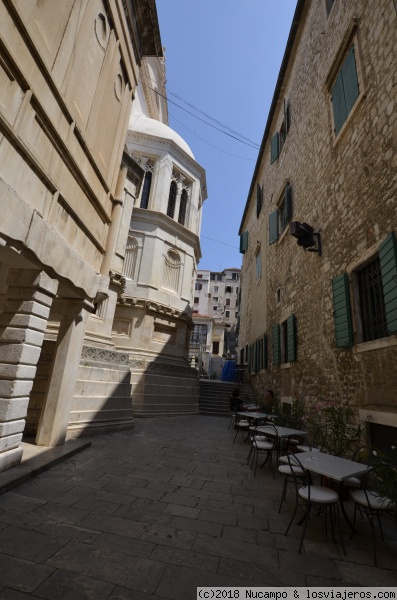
215, 347
278, 140
227, 314
198, 286
172, 199
196, 300
147, 184
227, 301
183, 207
285, 209
258, 263
259, 199
215, 308
229, 290
345, 90
371, 302
199, 276
236, 315
216, 289
235, 276
216, 298
244, 242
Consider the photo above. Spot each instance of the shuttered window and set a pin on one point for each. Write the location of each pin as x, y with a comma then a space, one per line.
273, 226
264, 353
146, 189
276, 344
342, 311
172, 199
183, 207
291, 339
274, 148
259, 198
388, 264
286, 208
244, 242
345, 90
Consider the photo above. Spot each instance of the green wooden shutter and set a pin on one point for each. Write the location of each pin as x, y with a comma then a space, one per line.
276, 344
350, 80
264, 353
388, 265
244, 242
338, 103
274, 148
342, 311
258, 199
291, 338
273, 227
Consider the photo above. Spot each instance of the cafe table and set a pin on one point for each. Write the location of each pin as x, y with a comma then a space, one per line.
333, 467
282, 433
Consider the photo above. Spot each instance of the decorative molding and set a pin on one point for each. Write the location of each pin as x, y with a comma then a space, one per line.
151, 366
92, 353
156, 307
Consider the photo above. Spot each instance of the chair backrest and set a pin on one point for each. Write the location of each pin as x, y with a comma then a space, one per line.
363, 455
293, 461
378, 482
271, 431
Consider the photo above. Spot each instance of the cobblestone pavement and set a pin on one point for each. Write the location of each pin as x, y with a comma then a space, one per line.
158, 510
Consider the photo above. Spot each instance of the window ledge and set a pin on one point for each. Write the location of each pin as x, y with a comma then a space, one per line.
285, 365
282, 236
375, 344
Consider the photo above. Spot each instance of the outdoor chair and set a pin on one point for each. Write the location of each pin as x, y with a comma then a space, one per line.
263, 444
289, 477
372, 500
240, 424
309, 495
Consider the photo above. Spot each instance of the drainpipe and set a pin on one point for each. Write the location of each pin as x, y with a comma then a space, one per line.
114, 226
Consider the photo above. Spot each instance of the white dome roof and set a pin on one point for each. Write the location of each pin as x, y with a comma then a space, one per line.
141, 124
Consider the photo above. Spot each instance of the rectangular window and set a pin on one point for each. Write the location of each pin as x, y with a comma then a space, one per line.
198, 286
345, 90
215, 308
199, 276
285, 209
236, 315
227, 314
215, 347
258, 264
235, 276
216, 289
227, 301
198, 337
259, 199
196, 300
328, 5
229, 290
216, 298
371, 301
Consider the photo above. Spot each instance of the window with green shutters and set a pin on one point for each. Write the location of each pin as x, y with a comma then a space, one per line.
345, 90
280, 218
342, 311
290, 353
274, 148
244, 242
259, 199
276, 344
264, 364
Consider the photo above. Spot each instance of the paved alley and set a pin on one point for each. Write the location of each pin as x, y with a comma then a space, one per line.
158, 510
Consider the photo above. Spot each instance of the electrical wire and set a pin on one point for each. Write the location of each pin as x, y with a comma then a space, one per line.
251, 145
206, 142
218, 242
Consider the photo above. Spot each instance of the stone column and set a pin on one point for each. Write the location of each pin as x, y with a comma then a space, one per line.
22, 325
55, 414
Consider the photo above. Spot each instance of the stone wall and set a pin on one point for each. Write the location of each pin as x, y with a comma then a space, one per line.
344, 186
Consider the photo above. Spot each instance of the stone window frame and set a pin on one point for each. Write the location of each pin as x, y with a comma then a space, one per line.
351, 38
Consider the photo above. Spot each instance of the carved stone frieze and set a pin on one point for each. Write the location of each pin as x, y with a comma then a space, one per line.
156, 307
93, 353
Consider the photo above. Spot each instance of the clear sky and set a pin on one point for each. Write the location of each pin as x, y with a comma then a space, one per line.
223, 57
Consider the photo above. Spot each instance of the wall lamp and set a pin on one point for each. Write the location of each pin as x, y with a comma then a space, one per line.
306, 237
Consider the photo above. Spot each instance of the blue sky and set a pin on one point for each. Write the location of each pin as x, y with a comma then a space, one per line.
223, 57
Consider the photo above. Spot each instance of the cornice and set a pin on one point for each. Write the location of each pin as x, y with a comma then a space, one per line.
155, 307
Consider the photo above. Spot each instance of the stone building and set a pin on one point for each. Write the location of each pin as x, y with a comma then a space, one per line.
216, 296
153, 316
319, 275
68, 73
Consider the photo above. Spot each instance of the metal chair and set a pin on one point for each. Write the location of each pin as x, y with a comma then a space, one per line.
264, 443
310, 495
372, 499
240, 425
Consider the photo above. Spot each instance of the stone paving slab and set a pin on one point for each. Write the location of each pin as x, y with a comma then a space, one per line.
155, 511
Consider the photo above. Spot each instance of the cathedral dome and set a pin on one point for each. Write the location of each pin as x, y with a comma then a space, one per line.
141, 124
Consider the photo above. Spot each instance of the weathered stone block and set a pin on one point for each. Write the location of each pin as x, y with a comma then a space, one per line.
15, 409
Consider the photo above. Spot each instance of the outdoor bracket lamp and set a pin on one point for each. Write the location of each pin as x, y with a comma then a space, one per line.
306, 237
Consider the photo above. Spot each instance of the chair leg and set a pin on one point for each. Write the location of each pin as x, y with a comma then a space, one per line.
308, 506
340, 529
284, 492
292, 518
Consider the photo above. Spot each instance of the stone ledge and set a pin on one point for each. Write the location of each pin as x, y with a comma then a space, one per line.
36, 460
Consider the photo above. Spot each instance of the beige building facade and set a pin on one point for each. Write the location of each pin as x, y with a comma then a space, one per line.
319, 275
68, 73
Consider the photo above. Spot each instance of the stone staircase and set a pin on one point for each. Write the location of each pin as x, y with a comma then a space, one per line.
214, 396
